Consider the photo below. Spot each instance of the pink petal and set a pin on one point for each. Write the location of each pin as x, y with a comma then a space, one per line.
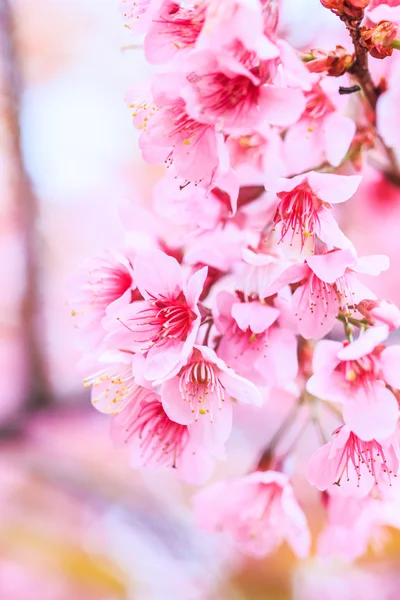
212, 435
333, 188
329, 387
372, 265
194, 286
325, 357
295, 524
329, 267
281, 106
195, 465
338, 132
157, 274
390, 361
373, 412
163, 362
364, 344
321, 470
258, 317
278, 363
330, 232
293, 274
240, 388
318, 322
175, 406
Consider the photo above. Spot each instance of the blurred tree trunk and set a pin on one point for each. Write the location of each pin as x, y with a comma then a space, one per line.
18, 220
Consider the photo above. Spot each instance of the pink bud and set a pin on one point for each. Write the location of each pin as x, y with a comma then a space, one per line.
380, 312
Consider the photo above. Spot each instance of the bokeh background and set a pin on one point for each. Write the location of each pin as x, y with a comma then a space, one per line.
76, 522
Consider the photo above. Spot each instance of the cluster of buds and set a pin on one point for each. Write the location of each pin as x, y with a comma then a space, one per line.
378, 40
350, 9
333, 62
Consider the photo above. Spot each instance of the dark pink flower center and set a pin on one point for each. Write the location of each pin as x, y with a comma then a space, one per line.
219, 93
162, 441
362, 371
182, 24
298, 212
200, 386
357, 453
318, 104
165, 319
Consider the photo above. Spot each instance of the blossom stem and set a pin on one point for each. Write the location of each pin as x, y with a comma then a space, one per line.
395, 44
360, 323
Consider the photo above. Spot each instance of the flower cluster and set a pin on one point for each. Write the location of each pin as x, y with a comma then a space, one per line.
263, 291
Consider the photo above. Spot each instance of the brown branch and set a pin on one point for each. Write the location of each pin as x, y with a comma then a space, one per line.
361, 73
22, 206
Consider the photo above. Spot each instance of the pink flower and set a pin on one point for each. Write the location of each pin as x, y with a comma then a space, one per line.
353, 465
327, 285
304, 204
176, 27
261, 269
234, 96
157, 442
251, 344
258, 510
237, 22
194, 207
164, 326
356, 374
171, 136
104, 282
380, 312
353, 524
200, 396
322, 133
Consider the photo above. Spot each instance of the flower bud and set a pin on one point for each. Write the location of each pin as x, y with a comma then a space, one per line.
380, 312
377, 39
353, 9
334, 63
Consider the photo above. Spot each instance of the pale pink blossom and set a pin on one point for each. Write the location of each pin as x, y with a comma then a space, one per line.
259, 511
235, 96
163, 327
104, 282
174, 28
237, 22
356, 374
351, 466
201, 394
171, 136
304, 207
157, 442
252, 344
261, 268
353, 525
328, 285
323, 133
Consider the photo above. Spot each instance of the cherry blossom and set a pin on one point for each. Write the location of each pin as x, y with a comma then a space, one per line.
259, 511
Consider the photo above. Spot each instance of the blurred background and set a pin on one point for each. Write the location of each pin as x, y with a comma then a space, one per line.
76, 521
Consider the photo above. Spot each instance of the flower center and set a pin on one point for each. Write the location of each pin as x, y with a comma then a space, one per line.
219, 93
162, 441
183, 24
298, 213
114, 388
165, 319
357, 453
318, 104
360, 371
200, 386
